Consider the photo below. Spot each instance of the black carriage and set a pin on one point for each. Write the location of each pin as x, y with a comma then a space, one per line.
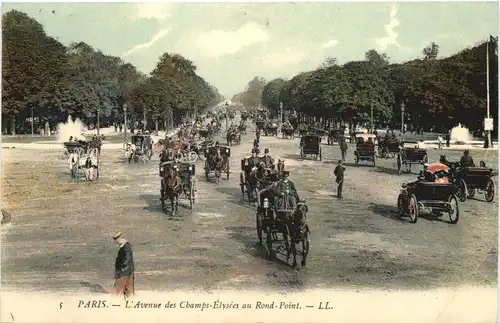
141, 146
389, 148
204, 133
271, 129
260, 125
78, 147
437, 198
409, 156
310, 145
210, 154
245, 183
335, 135
287, 132
318, 132
271, 222
187, 173
302, 130
471, 179
366, 149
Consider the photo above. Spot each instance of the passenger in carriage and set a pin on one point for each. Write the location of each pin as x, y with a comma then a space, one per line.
254, 160
286, 185
268, 160
466, 160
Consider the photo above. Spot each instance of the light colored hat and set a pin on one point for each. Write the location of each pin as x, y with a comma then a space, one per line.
118, 235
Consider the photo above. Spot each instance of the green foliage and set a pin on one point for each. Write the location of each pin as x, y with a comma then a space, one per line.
437, 93
43, 77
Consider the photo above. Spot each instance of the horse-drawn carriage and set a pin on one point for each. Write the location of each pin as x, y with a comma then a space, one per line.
471, 179
242, 128
233, 137
287, 132
409, 156
366, 148
204, 133
82, 157
249, 183
217, 161
431, 192
335, 135
172, 190
310, 145
260, 125
389, 148
271, 129
140, 148
318, 132
274, 216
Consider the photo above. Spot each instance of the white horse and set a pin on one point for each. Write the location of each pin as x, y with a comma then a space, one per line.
88, 162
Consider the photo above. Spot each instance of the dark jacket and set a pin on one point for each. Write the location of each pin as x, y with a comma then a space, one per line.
124, 264
339, 173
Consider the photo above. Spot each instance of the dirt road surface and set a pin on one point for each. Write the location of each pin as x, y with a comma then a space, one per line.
59, 238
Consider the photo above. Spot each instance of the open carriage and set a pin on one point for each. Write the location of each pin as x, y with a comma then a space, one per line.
271, 129
211, 165
273, 220
82, 158
366, 148
233, 137
335, 135
140, 148
409, 156
432, 192
310, 145
470, 180
287, 132
389, 148
246, 184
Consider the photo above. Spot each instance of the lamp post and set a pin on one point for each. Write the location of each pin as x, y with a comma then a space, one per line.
125, 120
402, 118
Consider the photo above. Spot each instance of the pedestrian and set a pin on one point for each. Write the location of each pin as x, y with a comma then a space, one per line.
343, 148
124, 268
440, 142
339, 178
447, 138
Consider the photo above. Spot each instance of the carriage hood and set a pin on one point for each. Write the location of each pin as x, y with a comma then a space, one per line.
436, 167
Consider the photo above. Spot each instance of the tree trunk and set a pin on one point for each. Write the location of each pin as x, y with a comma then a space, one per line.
13, 125
156, 125
47, 128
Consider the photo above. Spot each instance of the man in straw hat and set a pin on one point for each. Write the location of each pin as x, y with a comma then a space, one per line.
124, 268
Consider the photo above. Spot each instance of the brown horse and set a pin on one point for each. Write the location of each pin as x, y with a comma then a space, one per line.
218, 165
299, 233
171, 187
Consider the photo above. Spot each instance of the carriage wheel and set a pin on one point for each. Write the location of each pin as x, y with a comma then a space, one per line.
462, 191
269, 243
401, 208
453, 212
162, 198
482, 164
192, 156
471, 192
258, 222
191, 198
413, 209
227, 172
399, 163
356, 159
490, 191
320, 155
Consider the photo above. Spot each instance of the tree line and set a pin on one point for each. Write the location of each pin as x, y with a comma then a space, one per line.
45, 81
435, 93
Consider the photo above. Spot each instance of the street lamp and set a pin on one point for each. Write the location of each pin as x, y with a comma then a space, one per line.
125, 119
402, 117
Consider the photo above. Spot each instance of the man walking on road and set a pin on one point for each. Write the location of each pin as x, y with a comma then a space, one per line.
343, 148
339, 178
124, 268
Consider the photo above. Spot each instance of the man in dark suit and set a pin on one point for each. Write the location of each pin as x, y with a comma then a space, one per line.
124, 268
339, 178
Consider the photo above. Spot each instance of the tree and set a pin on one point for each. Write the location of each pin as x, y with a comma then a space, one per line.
431, 51
377, 59
270, 95
329, 62
253, 92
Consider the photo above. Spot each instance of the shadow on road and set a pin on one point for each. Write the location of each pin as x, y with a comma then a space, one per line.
94, 288
387, 211
385, 170
153, 201
236, 197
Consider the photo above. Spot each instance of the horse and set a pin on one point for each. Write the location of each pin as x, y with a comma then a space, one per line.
89, 162
219, 165
299, 233
280, 167
171, 187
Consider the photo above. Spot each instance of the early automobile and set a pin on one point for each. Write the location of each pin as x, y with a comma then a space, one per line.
432, 192
409, 156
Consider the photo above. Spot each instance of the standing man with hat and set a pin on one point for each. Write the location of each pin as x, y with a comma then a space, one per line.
124, 268
339, 178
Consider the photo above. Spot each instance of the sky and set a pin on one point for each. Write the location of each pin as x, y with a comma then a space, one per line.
230, 43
